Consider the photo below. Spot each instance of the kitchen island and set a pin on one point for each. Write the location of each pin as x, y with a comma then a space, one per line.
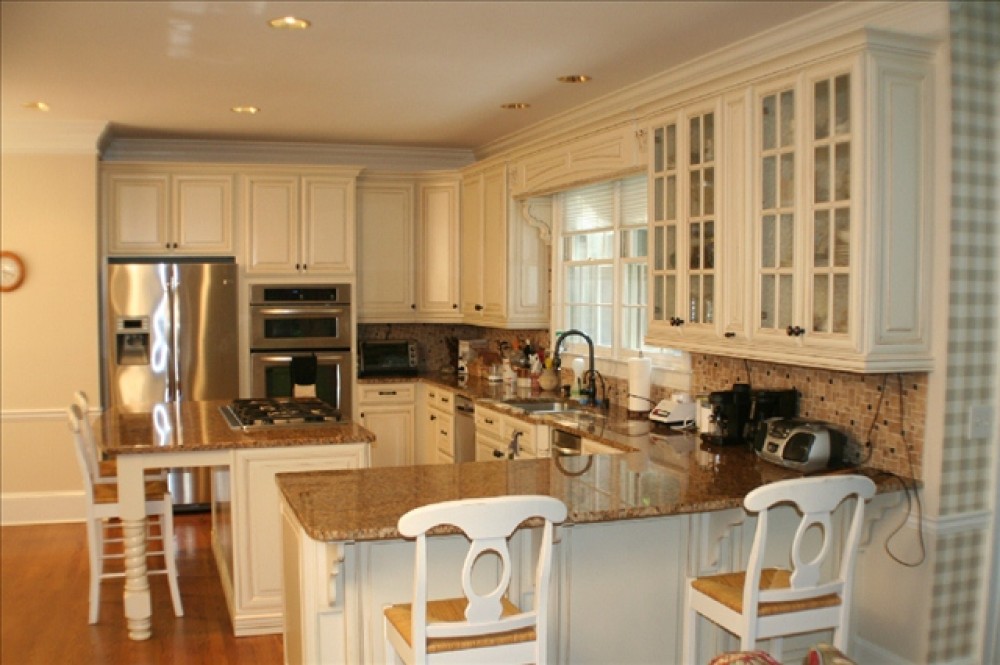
639, 523
195, 434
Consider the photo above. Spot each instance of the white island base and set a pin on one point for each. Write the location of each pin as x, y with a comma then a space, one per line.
618, 588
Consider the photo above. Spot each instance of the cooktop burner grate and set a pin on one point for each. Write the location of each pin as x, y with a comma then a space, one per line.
266, 412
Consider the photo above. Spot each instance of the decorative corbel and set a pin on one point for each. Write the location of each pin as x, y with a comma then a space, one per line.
335, 558
537, 212
640, 140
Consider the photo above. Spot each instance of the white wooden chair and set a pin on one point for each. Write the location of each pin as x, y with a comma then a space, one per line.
107, 470
475, 628
813, 594
103, 519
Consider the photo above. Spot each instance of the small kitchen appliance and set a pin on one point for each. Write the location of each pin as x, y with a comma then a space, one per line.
679, 410
803, 445
381, 357
738, 414
468, 350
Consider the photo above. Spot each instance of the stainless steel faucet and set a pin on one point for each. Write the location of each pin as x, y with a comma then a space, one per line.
591, 389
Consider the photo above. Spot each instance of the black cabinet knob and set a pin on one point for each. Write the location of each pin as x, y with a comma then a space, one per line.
497, 453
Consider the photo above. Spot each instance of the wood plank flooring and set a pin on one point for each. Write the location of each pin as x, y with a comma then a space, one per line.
43, 615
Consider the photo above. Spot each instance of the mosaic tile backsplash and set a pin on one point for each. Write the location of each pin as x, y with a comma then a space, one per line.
866, 407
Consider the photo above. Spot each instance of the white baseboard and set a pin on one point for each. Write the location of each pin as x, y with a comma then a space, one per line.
42, 507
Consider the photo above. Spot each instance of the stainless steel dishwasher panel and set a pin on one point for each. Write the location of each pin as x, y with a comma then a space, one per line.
465, 429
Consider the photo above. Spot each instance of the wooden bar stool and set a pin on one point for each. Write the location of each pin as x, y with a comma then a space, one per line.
770, 603
104, 512
476, 628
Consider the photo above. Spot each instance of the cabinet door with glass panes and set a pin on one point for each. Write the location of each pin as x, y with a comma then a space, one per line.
683, 207
803, 210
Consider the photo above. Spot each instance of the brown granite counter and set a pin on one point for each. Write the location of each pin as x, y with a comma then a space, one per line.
366, 504
192, 426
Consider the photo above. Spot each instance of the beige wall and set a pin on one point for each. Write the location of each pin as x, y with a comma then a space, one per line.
48, 327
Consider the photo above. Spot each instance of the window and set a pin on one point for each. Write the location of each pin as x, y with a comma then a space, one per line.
602, 269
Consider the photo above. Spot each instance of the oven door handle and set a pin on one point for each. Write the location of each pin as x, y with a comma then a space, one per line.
301, 310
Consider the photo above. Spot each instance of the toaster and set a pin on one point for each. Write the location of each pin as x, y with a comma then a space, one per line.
803, 445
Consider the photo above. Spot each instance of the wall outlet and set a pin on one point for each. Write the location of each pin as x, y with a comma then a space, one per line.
980, 423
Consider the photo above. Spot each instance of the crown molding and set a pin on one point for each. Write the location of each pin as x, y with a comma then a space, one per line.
655, 94
51, 137
377, 157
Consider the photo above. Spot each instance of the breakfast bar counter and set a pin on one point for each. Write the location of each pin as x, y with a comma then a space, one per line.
636, 528
244, 462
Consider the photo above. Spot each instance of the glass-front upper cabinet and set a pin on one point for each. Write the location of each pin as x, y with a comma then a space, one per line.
683, 203
804, 214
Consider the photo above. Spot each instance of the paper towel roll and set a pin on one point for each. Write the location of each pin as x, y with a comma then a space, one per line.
638, 384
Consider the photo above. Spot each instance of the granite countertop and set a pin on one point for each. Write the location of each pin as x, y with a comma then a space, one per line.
366, 504
198, 425
612, 426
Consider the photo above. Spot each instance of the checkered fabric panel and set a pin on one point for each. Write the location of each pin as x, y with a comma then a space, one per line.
960, 575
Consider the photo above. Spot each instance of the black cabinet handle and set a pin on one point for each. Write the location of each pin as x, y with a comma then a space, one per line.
497, 453
730, 335
479, 308
795, 331
676, 321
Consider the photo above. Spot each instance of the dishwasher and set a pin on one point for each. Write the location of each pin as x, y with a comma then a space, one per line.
465, 429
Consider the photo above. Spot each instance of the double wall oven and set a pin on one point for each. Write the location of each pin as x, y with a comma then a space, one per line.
302, 321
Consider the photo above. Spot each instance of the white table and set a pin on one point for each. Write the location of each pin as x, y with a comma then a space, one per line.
194, 434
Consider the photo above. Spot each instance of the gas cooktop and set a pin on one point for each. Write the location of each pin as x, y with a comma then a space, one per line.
269, 412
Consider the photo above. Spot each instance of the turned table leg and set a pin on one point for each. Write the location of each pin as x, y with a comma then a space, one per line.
132, 498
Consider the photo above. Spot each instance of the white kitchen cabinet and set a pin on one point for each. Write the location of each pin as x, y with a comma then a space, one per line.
683, 219
299, 221
822, 234
439, 425
389, 411
408, 243
496, 431
247, 527
166, 209
505, 262
386, 290
437, 277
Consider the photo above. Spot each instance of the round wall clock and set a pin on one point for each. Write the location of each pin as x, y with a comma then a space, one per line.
11, 271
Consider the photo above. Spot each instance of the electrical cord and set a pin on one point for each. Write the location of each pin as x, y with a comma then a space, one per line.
909, 500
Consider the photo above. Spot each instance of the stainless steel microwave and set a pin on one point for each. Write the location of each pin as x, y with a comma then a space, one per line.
384, 357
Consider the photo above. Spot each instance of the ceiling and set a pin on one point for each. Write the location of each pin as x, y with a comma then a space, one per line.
428, 74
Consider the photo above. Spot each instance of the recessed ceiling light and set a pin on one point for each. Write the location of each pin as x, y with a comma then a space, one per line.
515, 106
246, 110
37, 106
574, 78
289, 23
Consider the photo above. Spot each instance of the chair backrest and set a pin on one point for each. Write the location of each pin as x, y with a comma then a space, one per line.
488, 523
86, 448
815, 498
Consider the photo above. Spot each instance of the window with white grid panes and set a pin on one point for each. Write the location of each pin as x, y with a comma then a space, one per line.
831, 204
603, 235
776, 217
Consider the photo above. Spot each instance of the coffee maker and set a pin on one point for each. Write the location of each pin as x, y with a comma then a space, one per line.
739, 413
730, 410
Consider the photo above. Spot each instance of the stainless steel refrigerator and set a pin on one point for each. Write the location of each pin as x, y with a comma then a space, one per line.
170, 335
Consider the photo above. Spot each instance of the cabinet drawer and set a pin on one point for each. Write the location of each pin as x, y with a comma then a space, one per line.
441, 399
489, 422
385, 393
527, 438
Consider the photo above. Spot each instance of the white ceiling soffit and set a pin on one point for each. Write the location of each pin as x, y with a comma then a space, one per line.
417, 74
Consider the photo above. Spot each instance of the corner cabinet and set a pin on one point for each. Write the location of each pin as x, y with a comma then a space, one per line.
167, 209
299, 222
791, 218
408, 248
505, 259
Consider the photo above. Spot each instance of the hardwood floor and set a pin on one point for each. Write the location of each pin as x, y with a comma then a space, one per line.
44, 605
